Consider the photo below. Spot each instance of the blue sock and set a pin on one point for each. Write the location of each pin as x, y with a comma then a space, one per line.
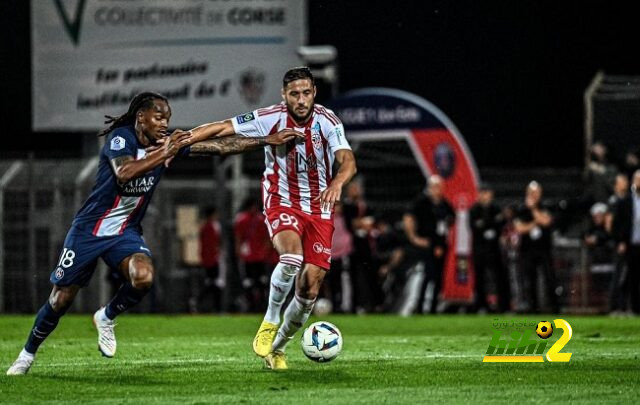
46, 321
126, 297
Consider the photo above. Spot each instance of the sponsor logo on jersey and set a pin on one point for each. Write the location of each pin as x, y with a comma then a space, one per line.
138, 186
59, 273
117, 143
339, 135
319, 248
245, 118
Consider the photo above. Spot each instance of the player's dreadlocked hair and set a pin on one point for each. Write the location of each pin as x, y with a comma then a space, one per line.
141, 101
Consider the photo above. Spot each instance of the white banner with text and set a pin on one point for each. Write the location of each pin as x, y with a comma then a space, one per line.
213, 59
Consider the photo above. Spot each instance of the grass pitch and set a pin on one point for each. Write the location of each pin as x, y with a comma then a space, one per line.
385, 359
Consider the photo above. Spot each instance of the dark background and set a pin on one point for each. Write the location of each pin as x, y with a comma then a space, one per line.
510, 74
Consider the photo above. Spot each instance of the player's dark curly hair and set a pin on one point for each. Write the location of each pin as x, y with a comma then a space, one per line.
141, 101
297, 73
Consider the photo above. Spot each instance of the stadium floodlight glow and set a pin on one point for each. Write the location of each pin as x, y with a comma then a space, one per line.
318, 54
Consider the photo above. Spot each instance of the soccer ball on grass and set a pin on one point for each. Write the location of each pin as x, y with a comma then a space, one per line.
321, 342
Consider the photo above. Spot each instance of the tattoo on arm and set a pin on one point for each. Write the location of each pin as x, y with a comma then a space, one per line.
116, 163
228, 145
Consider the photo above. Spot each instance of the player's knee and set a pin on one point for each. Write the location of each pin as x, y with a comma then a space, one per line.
141, 273
142, 278
61, 299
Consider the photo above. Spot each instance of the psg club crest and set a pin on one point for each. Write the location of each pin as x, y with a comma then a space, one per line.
251, 86
444, 159
59, 273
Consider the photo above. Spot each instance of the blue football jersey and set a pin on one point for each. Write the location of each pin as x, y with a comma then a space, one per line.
113, 207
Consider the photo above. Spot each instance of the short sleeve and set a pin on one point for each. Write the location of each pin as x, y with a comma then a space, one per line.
120, 142
337, 139
248, 125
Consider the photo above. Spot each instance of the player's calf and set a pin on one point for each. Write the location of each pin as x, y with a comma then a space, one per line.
46, 321
139, 269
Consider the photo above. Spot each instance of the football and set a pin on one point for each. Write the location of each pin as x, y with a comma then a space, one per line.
321, 342
544, 329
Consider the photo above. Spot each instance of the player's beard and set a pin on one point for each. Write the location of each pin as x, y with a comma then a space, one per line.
298, 118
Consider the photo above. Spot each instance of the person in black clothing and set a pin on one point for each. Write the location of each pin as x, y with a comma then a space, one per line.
620, 192
597, 239
486, 225
626, 232
427, 224
359, 222
534, 223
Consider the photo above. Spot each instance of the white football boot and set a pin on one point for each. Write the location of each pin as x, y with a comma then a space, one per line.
106, 336
22, 364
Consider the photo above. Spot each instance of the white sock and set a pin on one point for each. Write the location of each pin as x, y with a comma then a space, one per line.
281, 281
26, 355
295, 317
102, 315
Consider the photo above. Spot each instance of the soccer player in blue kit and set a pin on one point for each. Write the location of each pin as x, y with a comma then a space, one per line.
108, 225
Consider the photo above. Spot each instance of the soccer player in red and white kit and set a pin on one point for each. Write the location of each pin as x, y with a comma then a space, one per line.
299, 193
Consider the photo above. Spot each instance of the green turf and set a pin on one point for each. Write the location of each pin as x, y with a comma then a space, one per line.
385, 359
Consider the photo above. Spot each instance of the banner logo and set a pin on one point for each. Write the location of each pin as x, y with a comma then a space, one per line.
251, 86
72, 26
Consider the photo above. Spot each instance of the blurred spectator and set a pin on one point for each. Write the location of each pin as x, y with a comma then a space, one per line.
597, 239
510, 243
486, 225
534, 223
388, 254
631, 163
341, 249
620, 191
427, 225
626, 232
253, 250
359, 222
600, 174
209, 259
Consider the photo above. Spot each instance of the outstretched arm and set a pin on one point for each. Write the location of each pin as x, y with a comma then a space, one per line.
127, 168
216, 129
230, 145
227, 146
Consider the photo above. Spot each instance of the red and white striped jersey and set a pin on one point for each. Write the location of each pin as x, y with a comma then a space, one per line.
296, 173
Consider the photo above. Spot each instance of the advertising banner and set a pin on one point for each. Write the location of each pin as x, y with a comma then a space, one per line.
213, 59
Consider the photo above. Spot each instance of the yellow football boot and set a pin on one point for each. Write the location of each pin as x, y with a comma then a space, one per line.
264, 338
276, 361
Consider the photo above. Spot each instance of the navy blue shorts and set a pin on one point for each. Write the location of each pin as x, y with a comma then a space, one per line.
81, 251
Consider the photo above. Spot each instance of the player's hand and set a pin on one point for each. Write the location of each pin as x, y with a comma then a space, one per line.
329, 197
172, 144
284, 136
